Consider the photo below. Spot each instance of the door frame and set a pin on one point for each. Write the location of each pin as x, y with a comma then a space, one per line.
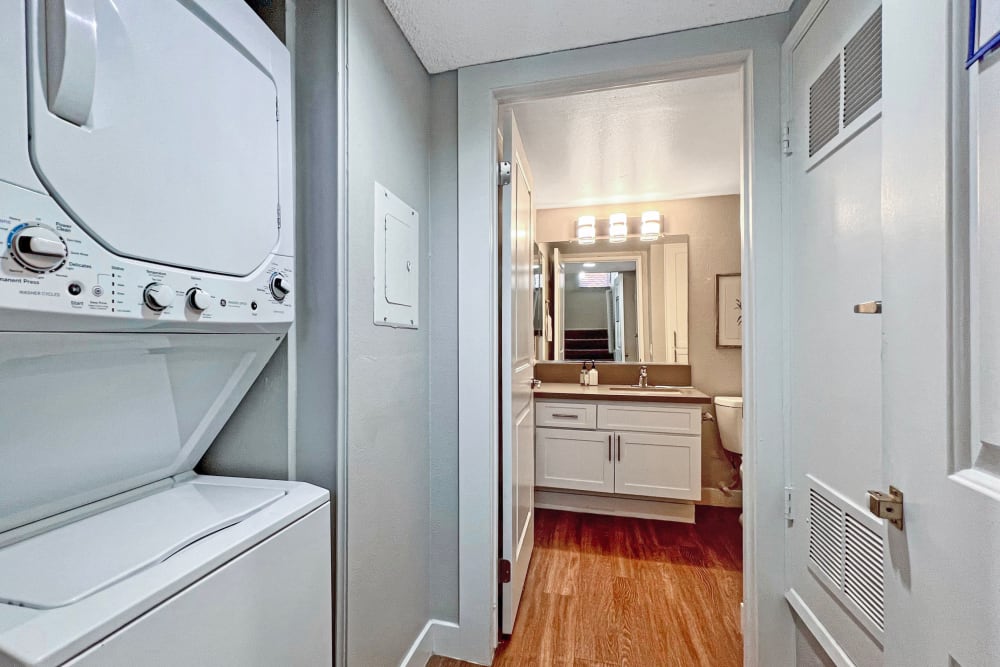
640, 280
753, 48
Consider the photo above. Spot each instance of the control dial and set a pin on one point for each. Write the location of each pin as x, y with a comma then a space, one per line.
198, 299
38, 248
158, 296
280, 287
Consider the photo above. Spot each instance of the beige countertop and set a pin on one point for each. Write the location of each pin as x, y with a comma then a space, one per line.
603, 392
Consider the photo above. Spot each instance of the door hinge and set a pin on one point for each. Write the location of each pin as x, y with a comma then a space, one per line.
789, 496
279, 216
786, 139
276, 118
503, 173
504, 571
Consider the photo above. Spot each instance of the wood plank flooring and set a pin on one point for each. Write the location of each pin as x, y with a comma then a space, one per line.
605, 591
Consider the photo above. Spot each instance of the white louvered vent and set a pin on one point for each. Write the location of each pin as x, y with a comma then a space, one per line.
864, 581
846, 552
824, 107
863, 69
826, 537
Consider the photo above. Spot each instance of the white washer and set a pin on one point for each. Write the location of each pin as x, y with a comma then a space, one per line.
145, 280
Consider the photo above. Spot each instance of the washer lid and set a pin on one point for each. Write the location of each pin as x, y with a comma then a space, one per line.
156, 130
66, 564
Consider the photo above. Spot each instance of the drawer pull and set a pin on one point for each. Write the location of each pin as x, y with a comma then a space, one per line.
619, 438
609, 446
562, 415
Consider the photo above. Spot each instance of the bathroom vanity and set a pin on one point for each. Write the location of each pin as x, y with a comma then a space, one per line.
618, 450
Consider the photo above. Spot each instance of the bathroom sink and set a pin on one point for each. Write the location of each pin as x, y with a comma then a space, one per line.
676, 391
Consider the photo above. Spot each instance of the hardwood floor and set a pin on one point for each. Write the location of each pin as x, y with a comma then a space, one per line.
605, 591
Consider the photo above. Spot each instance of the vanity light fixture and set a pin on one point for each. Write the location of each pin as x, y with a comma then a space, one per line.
650, 226
586, 230
618, 229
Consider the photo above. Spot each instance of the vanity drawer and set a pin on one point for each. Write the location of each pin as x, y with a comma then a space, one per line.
565, 415
650, 418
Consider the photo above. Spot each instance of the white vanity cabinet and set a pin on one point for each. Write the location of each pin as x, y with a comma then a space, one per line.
624, 449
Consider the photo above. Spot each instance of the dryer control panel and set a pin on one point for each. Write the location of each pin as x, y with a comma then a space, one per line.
49, 264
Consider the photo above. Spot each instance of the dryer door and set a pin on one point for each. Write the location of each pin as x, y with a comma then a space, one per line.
155, 127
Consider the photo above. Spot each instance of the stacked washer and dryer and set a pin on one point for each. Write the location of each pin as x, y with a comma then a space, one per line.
146, 199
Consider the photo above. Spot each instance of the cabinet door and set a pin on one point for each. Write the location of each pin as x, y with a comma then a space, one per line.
658, 465
579, 460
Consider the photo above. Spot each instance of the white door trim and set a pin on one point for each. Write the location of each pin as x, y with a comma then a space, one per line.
753, 48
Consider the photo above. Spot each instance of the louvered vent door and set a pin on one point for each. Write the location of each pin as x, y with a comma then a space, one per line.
832, 190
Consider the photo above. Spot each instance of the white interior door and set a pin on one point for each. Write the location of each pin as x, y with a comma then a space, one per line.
833, 203
942, 374
617, 315
518, 417
559, 304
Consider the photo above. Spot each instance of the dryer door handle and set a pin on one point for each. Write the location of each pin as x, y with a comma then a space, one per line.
71, 58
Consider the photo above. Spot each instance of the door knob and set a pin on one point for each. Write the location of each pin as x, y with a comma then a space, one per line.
887, 505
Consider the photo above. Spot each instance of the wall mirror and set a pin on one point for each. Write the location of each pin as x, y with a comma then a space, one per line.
613, 302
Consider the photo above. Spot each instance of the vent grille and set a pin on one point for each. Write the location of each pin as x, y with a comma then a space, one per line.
863, 69
826, 537
824, 107
864, 580
847, 555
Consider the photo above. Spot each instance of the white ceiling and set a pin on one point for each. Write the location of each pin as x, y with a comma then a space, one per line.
644, 143
448, 34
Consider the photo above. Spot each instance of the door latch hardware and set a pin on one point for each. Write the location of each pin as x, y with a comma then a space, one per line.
503, 173
504, 572
868, 308
535, 384
887, 505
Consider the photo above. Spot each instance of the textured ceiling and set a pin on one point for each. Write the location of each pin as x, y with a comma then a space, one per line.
644, 143
448, 34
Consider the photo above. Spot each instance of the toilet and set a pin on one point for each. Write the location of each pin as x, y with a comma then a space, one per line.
729, 415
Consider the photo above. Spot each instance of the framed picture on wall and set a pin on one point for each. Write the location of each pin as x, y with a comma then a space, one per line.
728, 310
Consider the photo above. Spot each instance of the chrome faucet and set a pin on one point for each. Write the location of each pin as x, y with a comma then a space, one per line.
642, 377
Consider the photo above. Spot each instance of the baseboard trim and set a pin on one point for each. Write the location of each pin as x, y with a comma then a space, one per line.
681, 511
819, 631
423, 646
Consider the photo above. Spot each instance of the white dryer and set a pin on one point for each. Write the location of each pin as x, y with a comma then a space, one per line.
146, 200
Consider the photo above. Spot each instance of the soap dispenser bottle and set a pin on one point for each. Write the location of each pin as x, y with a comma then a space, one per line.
592, 374
583, 373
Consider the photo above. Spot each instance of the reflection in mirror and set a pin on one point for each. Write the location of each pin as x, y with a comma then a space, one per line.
625, 302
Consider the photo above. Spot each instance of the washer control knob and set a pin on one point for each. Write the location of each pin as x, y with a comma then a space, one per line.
280, 287
38, 248
158, 296
198, 299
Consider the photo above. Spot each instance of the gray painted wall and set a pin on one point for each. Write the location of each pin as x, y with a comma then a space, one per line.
315, 63
443, 326
388, 494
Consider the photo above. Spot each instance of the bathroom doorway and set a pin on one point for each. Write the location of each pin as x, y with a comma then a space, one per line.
620, 324
482, 90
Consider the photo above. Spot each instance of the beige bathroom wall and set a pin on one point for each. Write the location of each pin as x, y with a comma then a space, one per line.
712, 225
